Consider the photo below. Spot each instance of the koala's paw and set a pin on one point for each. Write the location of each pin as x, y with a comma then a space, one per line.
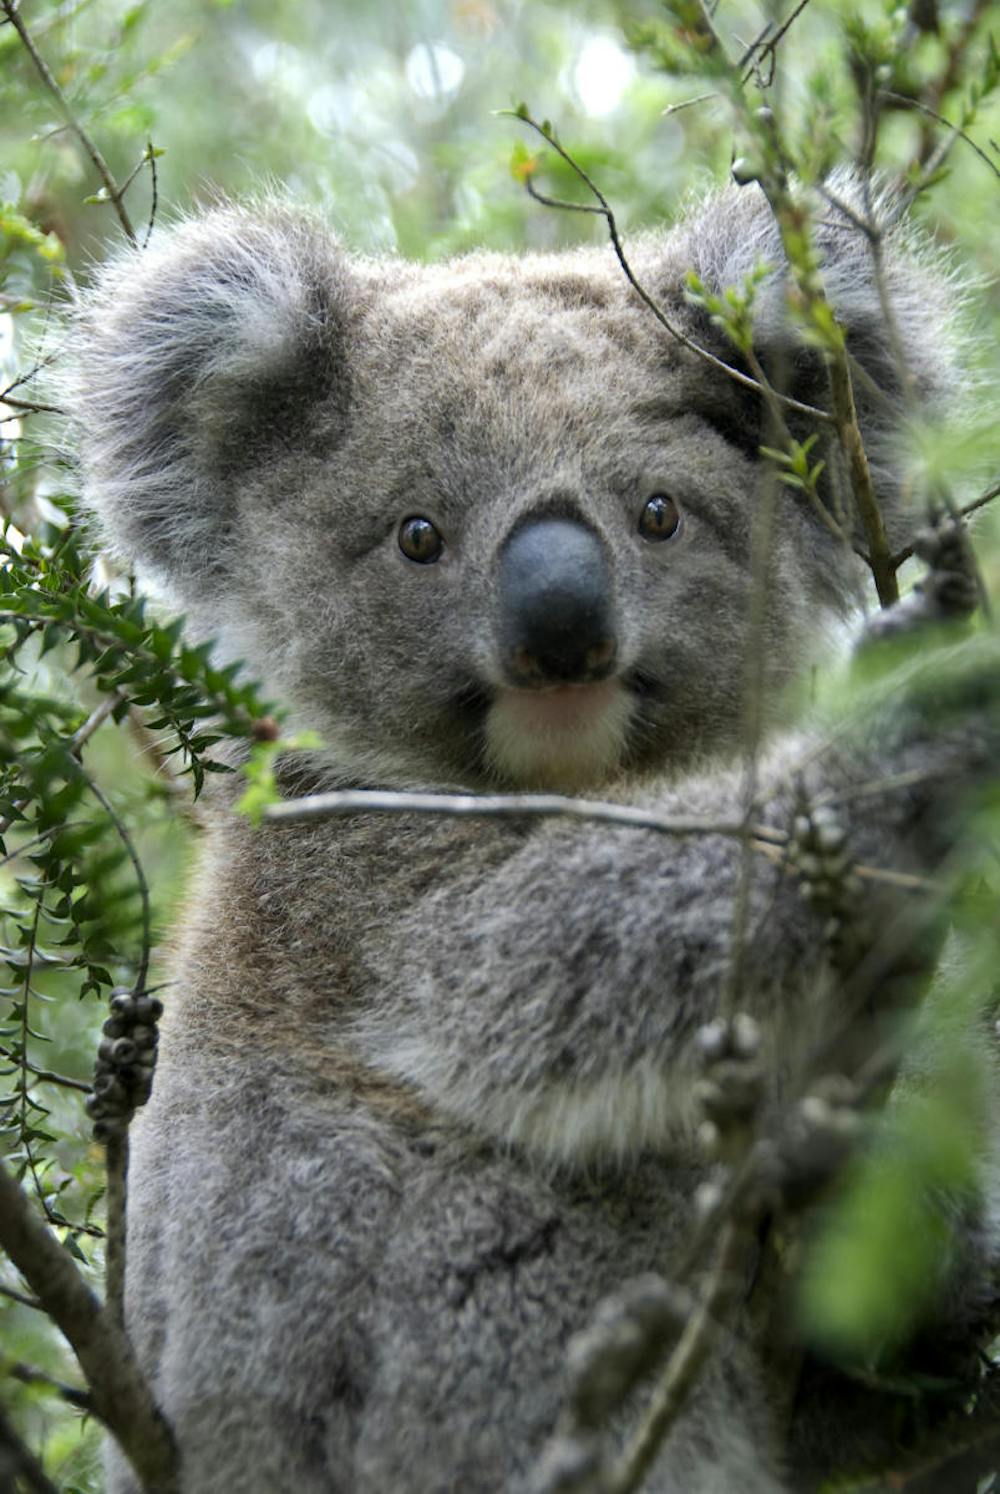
732, 1085
818, 852
821, 1135
949, 592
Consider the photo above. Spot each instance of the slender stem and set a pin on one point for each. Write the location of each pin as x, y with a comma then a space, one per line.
762, 548
21, 1298
12, 12
685, 1364
962, 513
19, 1468
116, 1203
29, 407
957, 133
491, 806
116, 1147
846, 416
27, 1374
121, 830
46, 1076
765, 44
606, 212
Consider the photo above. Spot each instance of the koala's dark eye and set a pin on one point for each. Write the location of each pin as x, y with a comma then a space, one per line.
660, 519
419, 540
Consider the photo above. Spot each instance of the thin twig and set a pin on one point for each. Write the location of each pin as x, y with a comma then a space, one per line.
29, 407
18, 1464
962, 513
767, 44
905, 881
853, 447
114, 192
45, 1076
954, 62
685, 1364
957, 132
154, 200
761, 557
876, 786
116, 1159
687, 104
97, 718
121, 1398
906, 199
606, 212
27, 1374
117, 1148
121, 829
490, 806
865, 224
21, 1298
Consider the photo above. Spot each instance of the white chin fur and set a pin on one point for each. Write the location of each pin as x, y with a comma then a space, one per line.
563, 738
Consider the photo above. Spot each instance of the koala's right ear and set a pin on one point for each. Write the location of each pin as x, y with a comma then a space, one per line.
197, 358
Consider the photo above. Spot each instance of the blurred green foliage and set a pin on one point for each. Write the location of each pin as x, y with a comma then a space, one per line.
385, 116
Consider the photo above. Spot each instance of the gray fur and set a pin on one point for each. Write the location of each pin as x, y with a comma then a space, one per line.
423, 1092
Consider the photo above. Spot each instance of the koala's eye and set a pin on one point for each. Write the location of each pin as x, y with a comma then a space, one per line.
660, 519
419, 540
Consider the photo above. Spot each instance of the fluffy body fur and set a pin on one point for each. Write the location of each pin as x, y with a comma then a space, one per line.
423, 1089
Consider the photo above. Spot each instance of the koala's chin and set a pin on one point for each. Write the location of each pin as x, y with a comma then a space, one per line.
569, 736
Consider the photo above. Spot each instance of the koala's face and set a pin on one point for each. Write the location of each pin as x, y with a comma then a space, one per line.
526, 558
479, 523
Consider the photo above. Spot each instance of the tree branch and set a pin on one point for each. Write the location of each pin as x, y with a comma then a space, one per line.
121, 1398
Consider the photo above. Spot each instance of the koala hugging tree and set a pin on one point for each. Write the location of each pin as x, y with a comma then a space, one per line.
571, 1064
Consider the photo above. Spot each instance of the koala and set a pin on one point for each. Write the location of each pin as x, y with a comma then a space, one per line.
424, 1096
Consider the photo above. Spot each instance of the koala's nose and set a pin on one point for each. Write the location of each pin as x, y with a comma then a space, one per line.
556, 620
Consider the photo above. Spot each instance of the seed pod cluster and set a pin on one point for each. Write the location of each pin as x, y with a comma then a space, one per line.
126, 1058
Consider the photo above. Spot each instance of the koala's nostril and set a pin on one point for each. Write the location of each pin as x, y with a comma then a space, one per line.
556, 622
600, 656
526, 666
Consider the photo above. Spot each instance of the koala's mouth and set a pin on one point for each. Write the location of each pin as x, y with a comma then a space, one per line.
564, 736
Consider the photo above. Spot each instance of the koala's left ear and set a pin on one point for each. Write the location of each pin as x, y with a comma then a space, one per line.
197, 358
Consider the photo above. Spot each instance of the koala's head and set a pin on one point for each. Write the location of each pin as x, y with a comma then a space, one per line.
484, 521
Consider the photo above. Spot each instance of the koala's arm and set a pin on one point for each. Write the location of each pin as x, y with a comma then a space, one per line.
548, 993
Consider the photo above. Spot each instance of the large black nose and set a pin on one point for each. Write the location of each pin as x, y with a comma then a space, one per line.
555, 604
